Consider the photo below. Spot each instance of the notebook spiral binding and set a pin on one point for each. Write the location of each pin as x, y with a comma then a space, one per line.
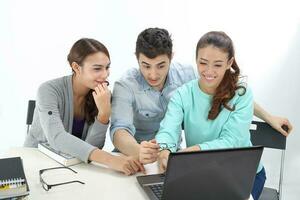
12, 182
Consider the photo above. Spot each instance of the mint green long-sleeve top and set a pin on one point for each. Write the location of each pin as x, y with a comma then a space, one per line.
191, 105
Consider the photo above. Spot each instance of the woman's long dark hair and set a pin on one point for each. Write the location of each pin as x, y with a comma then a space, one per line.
229, 84
79, 51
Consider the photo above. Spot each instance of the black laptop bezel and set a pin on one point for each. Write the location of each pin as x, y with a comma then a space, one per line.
176, 154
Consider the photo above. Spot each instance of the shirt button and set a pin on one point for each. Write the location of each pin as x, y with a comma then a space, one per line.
50, 113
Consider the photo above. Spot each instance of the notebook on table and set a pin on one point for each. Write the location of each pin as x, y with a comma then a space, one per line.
13, 182
60, 157
209, 175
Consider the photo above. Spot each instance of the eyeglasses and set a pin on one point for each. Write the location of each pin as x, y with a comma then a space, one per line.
47, 186
164, 146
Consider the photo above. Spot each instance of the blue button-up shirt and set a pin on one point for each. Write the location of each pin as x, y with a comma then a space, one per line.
138, 108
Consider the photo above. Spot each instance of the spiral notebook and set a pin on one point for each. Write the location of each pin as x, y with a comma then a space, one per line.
13, 182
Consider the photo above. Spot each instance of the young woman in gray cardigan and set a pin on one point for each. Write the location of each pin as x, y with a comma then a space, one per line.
72, 112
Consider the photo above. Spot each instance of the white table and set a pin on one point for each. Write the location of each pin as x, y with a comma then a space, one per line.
100, 182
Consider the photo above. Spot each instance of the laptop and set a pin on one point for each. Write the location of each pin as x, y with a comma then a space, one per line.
211, 174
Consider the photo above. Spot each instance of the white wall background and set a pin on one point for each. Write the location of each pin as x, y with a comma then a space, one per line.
37, 35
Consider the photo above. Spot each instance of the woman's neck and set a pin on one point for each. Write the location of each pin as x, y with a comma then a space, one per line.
207, 90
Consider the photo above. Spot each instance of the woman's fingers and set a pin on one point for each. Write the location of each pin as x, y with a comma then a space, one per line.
289, 126
130, 168
140, 166
105, 86
94, 94
161, 167
97, 90
101, 89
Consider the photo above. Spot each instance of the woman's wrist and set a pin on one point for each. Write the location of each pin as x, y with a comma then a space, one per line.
101, 156
103, 118
164, 153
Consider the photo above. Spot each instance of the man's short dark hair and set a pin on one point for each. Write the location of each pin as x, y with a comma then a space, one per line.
153, 42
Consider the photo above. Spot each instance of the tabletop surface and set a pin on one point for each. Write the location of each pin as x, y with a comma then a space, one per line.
100, 182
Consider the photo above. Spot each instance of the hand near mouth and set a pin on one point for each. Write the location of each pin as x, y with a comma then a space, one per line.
102, 98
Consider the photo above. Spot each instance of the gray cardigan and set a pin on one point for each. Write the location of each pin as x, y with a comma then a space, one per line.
53, 121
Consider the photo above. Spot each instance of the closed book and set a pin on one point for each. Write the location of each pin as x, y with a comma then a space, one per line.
62, 158
13, 182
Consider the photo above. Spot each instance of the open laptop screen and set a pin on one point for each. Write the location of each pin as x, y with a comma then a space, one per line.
214, 174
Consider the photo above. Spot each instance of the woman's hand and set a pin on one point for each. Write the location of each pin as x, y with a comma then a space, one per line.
192, 148
148, 151
126, 165
163, 160
102, 97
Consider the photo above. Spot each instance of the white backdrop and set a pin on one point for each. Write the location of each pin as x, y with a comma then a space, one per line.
37, 35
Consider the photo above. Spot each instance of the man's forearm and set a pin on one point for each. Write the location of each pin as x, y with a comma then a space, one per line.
126, 143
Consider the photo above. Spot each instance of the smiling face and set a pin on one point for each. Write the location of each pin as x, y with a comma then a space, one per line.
93, 71
212, 63
154, 70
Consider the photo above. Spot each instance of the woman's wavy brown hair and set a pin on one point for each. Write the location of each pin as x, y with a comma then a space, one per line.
79, 51
229, 84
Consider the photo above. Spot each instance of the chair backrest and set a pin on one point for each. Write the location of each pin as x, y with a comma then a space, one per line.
263, 134
30, 111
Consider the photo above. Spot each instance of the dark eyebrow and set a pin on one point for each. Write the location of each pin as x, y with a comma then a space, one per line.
162, 62
143, 62
214, 61
98, 65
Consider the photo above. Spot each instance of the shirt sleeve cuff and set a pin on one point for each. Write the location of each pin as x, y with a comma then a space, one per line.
100, 125
88, 153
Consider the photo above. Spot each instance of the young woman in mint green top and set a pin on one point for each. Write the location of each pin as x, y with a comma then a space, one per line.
190, 105
216, 109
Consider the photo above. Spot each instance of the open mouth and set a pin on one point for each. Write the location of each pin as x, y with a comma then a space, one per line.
209, 78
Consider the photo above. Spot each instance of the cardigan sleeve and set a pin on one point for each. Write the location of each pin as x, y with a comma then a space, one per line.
48, 109
96, 134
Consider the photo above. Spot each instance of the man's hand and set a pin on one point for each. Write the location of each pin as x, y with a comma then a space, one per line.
148, 151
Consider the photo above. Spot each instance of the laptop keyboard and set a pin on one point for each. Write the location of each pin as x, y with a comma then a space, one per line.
157, 190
